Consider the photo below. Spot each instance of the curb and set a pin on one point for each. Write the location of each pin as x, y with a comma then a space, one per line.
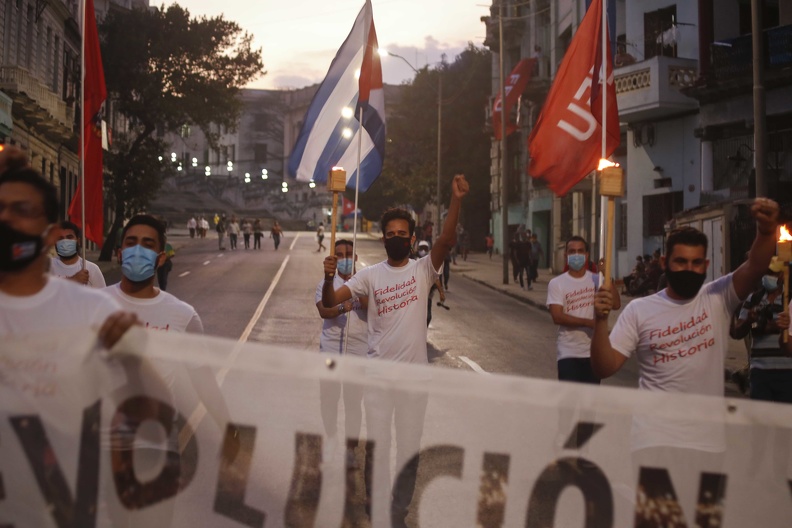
524, 300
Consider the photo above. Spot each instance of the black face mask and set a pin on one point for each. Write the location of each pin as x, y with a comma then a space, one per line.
397, 247
685, 283
17, 249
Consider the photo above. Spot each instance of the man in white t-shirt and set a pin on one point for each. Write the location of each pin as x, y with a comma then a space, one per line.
192, 224
141, 253
570, 299
680, 334
69, 264
342, 337
31, 300
397, 290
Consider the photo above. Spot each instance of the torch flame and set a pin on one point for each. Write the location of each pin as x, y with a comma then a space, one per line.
785, 236
603, 164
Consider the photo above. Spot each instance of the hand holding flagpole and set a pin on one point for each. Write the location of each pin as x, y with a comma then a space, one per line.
336, 183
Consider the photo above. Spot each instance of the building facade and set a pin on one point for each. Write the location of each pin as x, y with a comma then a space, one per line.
682, 72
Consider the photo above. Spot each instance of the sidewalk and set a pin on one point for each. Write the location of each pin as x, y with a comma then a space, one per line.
481, 269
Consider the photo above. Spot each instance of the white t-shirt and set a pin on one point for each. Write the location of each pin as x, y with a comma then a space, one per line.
681, 345
397, 302
60, 305
95, 277
192, 223
333, 329
575, 296
163, 312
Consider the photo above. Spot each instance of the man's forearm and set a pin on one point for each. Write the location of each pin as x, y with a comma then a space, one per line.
603, 359
448, 236
328, 294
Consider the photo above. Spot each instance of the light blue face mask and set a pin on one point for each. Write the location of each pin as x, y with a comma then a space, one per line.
138, 263
769, 282
66, 248
345, 266
576, 262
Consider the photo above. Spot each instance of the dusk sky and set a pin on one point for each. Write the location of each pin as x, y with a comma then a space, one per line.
299, 38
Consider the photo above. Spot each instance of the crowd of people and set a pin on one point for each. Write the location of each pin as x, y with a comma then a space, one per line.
233, 228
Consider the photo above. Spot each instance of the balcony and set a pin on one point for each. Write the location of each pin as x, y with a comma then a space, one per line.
732, 59
35, 103
651, 89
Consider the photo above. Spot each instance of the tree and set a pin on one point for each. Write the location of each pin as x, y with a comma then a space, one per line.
164, 70
409, 174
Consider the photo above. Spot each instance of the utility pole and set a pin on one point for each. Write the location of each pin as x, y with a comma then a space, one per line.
760, 132
504, 189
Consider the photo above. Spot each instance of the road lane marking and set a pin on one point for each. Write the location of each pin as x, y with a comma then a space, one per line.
263, 303
184, 274
200, 411
207, 262
294, 241
472, 364
221, 255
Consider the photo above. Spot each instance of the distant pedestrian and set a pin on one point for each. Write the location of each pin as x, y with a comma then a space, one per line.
258, 232
204, 227
233, 231
220, 227
489, 241
247, 230
523, 251
275, 234
536, 256
320, 236
192, 224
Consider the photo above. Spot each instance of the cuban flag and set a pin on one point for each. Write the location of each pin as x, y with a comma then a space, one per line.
332, 127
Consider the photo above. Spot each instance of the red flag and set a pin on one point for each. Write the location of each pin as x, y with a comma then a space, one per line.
566, 142
515, 84
95, 94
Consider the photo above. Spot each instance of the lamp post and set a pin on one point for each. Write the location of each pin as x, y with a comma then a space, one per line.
383, 52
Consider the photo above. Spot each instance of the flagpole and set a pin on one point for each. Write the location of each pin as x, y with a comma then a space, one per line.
82, 134
604, 91
355, 217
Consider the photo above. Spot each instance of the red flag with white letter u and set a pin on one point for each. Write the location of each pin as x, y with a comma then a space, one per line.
566, 142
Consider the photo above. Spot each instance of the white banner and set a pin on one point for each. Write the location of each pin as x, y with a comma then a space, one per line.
187, 431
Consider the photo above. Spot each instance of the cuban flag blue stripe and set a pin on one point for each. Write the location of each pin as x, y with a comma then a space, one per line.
329, 136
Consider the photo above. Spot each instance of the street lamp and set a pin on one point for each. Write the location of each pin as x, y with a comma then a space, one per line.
384, 53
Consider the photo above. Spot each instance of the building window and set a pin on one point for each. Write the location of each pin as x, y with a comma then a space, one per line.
261, 153
623, 225
659, 33
659, 209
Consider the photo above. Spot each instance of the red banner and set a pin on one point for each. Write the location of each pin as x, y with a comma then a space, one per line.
95, 95
566, 142
515, 84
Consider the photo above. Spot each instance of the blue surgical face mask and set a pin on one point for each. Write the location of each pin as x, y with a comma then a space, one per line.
66, 248
769, 282
345, 266
576, 262
138, 263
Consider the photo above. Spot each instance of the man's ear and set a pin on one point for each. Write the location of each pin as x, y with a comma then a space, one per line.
118, 255
161, 258
663, 263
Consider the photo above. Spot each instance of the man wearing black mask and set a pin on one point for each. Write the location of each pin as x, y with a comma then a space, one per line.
680, 334
397, 290
31, 300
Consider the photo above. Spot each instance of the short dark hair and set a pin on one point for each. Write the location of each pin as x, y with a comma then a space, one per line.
49, 195
343, 242
686, 236
577, 239
148, 220
397, 213
65, 224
